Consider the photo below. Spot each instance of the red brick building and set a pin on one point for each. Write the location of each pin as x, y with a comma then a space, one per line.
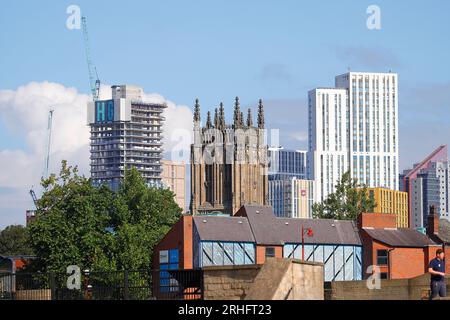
346, 248
398, 253
255, 233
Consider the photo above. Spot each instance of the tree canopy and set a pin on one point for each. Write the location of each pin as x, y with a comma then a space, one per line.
347, 202
13, 241
95, 228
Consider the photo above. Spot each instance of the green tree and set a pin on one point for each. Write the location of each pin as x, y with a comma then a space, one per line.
71, 226
142, 216
347, 202
95, 228
14, 241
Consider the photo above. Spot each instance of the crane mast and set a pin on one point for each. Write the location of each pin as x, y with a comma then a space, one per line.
49, 141
94, 81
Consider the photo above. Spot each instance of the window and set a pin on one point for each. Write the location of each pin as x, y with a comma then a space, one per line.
382, 257
226, 253
383, 275
168, 260
270, 252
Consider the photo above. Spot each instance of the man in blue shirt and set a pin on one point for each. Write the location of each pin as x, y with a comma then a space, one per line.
437, 271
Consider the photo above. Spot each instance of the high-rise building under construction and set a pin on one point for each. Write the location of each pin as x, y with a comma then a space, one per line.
126, 132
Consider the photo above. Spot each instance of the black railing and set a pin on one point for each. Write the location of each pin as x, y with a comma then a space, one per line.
110, 285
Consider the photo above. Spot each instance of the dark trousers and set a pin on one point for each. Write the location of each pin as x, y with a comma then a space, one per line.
438, 288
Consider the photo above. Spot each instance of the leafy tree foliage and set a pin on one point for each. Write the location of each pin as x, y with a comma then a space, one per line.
347, 202
95, 228
13, 241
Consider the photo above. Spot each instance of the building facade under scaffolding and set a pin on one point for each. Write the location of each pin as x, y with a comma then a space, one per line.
126, 132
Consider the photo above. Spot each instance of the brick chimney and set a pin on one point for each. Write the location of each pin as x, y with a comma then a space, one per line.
377, 220
432, 222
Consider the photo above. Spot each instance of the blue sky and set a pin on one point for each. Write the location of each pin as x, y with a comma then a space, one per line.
216, 50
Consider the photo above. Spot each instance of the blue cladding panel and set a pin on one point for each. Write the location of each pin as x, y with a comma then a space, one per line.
104, 111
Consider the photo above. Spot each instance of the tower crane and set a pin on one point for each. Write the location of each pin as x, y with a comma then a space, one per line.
49, 140
94, 81
47, 155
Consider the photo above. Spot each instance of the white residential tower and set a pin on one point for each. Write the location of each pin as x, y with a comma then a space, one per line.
354, 126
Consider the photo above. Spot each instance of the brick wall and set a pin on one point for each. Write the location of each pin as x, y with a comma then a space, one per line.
179, 237
377, 220
261, 253
407, 262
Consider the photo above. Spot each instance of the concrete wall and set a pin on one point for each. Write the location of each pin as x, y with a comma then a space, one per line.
288, 279
398, 289
277, 279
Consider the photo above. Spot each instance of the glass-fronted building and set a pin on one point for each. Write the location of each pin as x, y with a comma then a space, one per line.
286, 164
341, 262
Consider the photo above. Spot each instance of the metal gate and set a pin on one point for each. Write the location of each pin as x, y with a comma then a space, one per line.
110, 285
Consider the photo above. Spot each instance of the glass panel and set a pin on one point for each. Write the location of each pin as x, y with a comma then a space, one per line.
163, 256
308, 253
207, 254
173, 266
358, 263
339, 263
348, 260
228, 254
249, 253
328, 262
288, 251
217, 254
298, 252
173, 256
238, 254
318, 254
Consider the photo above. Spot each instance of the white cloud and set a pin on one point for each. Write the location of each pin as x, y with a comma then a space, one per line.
24, 112
300, 136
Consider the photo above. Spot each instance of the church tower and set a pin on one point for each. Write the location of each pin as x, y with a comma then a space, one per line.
228, 162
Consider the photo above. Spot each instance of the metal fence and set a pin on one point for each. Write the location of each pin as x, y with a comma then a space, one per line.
114, 285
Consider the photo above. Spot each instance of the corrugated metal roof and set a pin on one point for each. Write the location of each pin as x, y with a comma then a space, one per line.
222, 228
400, 237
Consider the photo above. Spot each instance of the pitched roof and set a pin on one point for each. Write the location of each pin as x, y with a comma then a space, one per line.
223, 228
270, 230
444, 230
324, 231
400, 237
264, 225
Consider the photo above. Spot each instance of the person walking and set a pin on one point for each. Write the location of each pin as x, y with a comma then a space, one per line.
437, 271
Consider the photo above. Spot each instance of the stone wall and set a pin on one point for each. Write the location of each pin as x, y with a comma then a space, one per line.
277, 279
398, 289
228, 282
